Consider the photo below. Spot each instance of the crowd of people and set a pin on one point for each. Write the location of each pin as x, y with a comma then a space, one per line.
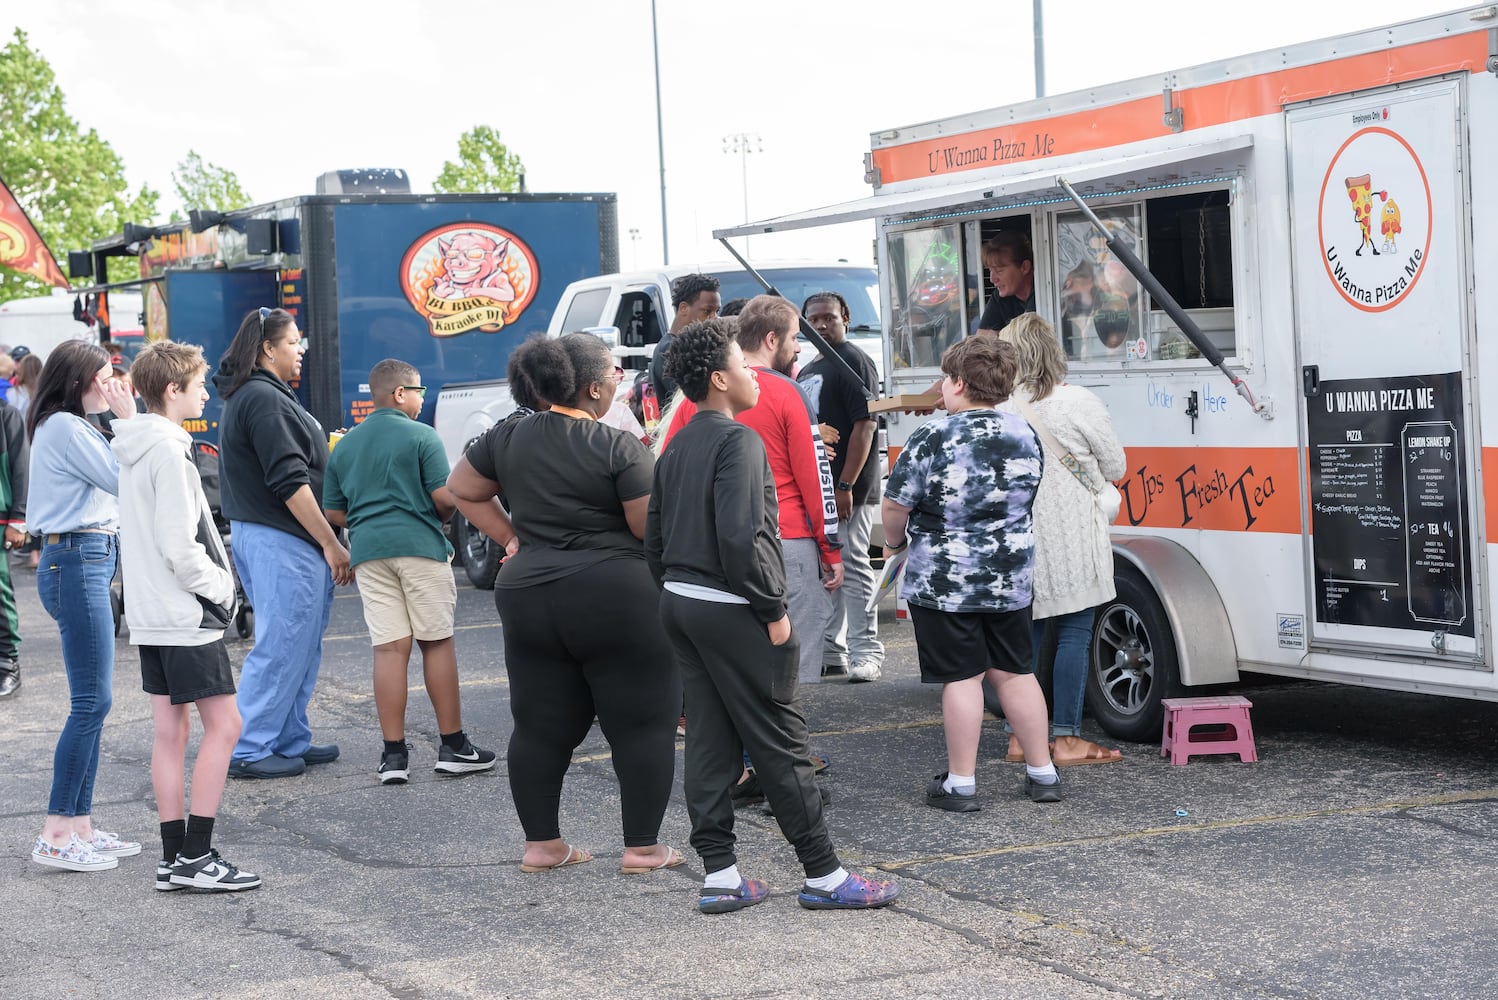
722, 573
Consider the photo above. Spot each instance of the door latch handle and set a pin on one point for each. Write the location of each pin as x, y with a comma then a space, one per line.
1310, 380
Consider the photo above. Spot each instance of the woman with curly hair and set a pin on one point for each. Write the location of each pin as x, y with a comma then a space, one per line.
712, 541
580, 629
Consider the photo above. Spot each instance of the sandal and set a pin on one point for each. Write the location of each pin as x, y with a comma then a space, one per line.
1017, 756
672, 859
575, 856
1094, 755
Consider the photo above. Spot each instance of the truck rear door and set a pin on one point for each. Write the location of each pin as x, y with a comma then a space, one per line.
1380, 223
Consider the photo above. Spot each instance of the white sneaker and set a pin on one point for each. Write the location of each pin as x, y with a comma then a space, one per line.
862, 673
111, 846
75, 857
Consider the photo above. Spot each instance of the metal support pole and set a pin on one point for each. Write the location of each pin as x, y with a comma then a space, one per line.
1039, 51
660, 137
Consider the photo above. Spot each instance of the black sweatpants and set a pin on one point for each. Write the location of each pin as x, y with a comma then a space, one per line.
741, 694
590, 644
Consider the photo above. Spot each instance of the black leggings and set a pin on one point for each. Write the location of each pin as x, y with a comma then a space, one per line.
590, 644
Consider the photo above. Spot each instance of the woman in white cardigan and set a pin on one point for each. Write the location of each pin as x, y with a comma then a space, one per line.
1073, 556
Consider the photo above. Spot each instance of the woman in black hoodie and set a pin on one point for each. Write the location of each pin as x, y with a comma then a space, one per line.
272, 456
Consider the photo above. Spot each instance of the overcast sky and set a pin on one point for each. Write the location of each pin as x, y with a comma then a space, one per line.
281, 91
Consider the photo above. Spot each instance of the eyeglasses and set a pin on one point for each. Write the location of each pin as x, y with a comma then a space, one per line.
420, 390
618, 375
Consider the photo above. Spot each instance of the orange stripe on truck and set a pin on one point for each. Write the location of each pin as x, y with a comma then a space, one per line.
1490, 492
1212, 489
1214, 104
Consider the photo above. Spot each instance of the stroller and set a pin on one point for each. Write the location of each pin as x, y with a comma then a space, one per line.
205, 457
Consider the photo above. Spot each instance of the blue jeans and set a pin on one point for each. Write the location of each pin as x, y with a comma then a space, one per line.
72, 580
289, 585
1069, 678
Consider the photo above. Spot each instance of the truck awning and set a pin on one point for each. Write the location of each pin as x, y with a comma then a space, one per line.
1032, 182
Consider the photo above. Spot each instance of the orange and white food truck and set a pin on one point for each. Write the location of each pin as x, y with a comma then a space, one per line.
1318, 507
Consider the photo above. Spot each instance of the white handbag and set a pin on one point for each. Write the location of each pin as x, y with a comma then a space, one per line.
1107, 497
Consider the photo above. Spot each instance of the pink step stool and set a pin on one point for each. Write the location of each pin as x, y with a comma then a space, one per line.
1182, 714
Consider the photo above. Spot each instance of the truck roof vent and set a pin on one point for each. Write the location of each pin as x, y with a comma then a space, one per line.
369, 180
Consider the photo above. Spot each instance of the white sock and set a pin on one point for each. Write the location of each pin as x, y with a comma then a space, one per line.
1043, 775
962, 784
829, 882
724, 878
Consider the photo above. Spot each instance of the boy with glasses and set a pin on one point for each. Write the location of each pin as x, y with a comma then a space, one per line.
387, 483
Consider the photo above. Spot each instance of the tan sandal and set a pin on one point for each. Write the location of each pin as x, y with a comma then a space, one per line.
575, 856
1094, 755
672, 859
1016, 755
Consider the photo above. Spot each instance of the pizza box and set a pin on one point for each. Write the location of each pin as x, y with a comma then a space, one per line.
906, 401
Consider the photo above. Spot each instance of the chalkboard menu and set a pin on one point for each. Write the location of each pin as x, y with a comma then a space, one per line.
1389, 526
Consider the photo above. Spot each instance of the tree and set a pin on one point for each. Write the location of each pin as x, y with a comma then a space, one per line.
484, 164
71, 183
200, 184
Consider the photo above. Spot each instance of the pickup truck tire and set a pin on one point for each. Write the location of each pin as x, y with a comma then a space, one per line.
1134, 662
478, 552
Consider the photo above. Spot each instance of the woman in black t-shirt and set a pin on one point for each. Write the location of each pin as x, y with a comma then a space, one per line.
581, 630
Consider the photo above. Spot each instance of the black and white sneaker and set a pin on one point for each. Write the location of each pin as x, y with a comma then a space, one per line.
463, 760
395, 766
164, 877
212, 872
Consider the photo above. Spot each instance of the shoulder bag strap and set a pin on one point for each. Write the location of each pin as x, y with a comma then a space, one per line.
1067, 458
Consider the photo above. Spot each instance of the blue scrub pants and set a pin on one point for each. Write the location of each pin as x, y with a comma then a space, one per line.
289, 585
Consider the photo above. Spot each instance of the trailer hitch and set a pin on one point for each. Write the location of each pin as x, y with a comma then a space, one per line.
1167, 302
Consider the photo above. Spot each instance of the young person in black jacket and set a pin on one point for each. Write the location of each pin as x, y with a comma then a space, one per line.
712, 542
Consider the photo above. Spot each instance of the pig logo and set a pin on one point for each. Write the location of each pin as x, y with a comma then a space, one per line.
469, 276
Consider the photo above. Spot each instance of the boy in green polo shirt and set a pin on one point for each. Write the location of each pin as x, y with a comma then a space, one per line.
387, 482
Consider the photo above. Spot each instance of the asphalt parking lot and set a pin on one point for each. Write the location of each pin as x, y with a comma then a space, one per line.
1354, 859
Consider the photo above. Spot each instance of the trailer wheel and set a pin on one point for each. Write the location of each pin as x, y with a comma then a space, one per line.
244, 622
1134, 663
479, 553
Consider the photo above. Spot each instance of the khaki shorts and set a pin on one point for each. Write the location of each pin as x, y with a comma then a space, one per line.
407, 596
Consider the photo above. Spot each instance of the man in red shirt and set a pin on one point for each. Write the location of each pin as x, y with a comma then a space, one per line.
767, 330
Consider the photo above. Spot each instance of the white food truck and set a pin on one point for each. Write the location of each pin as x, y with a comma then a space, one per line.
1312, 210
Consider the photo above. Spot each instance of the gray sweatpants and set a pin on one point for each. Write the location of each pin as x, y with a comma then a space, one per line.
808, 604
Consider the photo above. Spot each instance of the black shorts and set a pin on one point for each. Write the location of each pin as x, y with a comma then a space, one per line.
956, 645
187, 673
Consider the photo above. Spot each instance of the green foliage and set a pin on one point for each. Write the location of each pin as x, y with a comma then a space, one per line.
484, 164
71, 183
200, 184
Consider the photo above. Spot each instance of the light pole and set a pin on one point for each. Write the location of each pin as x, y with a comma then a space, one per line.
660, 137
742, 144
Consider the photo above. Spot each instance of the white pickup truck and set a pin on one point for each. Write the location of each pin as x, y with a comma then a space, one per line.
638, 305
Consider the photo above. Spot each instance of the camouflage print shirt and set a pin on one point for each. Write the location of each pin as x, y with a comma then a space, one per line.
969, 478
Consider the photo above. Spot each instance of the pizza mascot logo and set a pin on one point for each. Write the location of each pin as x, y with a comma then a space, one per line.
469, 276
1372, 166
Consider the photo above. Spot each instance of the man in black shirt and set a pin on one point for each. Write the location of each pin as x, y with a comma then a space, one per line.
695, 298
852, 639
1011, 268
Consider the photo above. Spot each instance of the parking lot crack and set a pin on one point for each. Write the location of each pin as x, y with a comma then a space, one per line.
304, 942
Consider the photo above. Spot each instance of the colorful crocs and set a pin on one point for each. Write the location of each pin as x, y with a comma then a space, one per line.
76, 856
855, 893
749, 892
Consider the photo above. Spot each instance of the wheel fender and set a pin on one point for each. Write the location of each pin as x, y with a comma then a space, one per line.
1206, 651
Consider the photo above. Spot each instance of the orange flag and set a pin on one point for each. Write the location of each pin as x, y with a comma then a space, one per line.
21, 246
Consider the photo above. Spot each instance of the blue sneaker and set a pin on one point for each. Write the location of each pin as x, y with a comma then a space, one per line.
749, 892
855, 893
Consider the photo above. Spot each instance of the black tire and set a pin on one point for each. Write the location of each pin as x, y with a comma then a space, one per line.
244, 622
1043, 674
1134, 662
479, 553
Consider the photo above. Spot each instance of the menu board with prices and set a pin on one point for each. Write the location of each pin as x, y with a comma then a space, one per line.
1389, 525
